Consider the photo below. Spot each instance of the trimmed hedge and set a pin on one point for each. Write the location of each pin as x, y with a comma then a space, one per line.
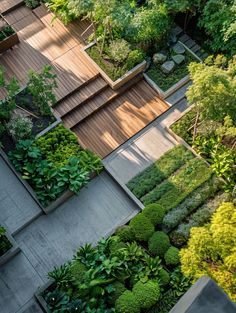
174, 217
125, 233
172, 160
199, 218
164, 277
127, 303
172, 257
186, 180
155, 213
147, 293
158, 244
142, 227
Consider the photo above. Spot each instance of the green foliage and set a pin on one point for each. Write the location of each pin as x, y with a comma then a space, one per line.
154, 213
5, 244
77, 272
147, 294
127, 303
134, 58
32, 4
158, 244
61, 9
164, 277
172, 257
198, 218
173, 191
174, 217
20, 127
119, 289
40, 86
80, 8
119, 50
142, 227
167, 164
125, 233
211, 250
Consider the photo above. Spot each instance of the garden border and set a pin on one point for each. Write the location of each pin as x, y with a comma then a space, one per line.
10, 41
123, 79
11, 252
164, 94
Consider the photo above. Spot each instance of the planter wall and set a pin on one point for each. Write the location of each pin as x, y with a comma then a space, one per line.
164, 94
11, 252
123, 79
8, 42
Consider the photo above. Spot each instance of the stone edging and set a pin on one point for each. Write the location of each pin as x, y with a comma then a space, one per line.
11, 252
123, 79
164, 94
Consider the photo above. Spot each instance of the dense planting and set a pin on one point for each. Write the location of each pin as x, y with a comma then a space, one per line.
211, 250
210, 126
119, 274
54, 163
5, 244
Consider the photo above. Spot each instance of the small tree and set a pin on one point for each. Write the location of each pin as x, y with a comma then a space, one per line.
212, 250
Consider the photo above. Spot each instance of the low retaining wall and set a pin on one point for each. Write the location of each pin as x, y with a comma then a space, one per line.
9, 42
11, 252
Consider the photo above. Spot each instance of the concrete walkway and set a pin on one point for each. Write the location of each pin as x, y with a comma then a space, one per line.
146, 147
53, 239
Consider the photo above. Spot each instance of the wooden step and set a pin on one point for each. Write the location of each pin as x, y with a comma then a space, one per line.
96, 103
80, 96
7, 6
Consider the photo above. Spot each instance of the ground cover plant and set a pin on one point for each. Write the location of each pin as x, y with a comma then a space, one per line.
24, 113
121, 274
54, 163
210, 126
211, 250
5, 244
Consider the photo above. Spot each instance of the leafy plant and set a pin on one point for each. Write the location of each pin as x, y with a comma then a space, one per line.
20, 127
119, 50
5, 244
32, 4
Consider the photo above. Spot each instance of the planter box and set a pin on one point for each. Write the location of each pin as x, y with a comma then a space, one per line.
123, 79
11, 252
8, 42
164, 94
59, 201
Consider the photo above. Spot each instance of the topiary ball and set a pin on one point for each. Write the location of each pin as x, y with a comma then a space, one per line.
164, 277
77, 271
125, 233
172, 257
116, 246
159, 243
142, 227
155, 213
147, 294
119, 289
127, 303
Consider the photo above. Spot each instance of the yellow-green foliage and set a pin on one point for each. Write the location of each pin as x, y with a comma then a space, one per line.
212, 250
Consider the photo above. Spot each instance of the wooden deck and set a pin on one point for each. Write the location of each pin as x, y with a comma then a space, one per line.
9, 5
102, 118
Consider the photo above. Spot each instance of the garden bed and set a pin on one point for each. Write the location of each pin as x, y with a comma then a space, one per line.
165, 84
8, 37
114, 75
8, 246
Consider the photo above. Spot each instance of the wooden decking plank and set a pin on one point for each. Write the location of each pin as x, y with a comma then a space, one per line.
9, 5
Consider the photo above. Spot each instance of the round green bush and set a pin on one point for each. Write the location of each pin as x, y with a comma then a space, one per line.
154, 212
164, 277
127, 303
142, 227
77, 271
125, 233
116, 246
172, 256
159, 243
119, 289
147, 293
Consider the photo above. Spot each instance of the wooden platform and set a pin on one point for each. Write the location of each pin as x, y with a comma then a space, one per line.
101, 117
9, 5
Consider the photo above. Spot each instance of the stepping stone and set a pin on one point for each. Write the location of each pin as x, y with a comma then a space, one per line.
167, 67
178, 58
159, 58
178, 48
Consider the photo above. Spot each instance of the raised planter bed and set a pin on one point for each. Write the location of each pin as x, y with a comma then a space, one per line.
11, 252
123, 79
8, 37
166, 93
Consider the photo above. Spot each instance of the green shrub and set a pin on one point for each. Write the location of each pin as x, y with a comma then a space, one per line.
167, 164
116, 246
32, 4
172, 256
158, 244
154, 213
194, 200
5, 244
164, 277
142, 227
186, 180
119, 290
125, 233
147, 294
20, 127
135, 57
127, 303
77, 271
119, 50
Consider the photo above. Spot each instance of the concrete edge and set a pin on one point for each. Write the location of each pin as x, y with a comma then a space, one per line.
11, 252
